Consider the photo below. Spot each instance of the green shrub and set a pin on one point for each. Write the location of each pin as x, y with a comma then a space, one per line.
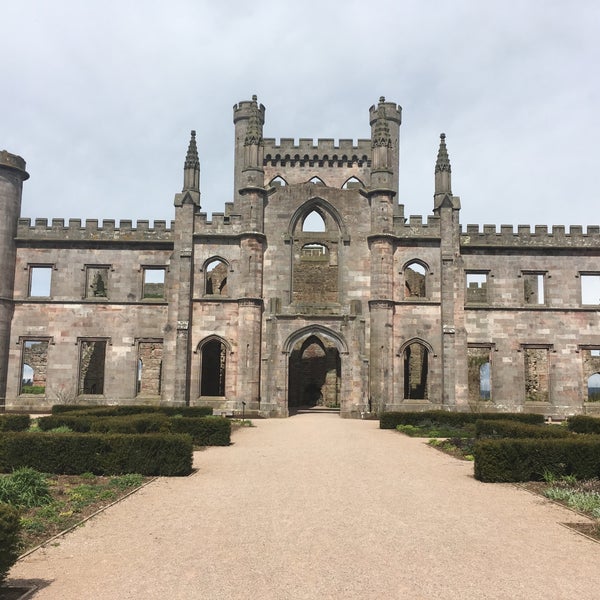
77, 423
14, 422
584, 424
135, 409
130, 424
205, 431
529, 459
25, 488
513, 429
10, 528
390, 420
71, 454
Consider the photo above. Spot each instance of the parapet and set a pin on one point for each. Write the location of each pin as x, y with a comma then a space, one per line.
13, 162
523, 236
90, 231
415, 228
325, 152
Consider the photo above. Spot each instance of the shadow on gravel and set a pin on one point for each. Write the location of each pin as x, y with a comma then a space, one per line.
21, 589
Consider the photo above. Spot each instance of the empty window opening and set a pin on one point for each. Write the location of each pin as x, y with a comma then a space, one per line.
314, 252
477, 287
415, 371
149, 370
316, 180
314, 222
414, 281
216, 278
97, 282
537, 374
34, 364
595, 352
154, 283
40, 279
352, 183
533, 287
590, 289
278, 181
479, 375
91, 366
214, 362
593, 388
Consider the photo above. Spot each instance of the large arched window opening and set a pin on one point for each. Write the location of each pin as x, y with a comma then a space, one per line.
416, 367
213, 368
593, 388
415, 278
215, 282
313, 222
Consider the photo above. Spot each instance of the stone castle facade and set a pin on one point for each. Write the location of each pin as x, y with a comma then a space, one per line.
311, 288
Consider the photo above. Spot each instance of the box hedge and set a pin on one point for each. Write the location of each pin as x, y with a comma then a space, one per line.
205, 431
114, 454
584, 424
390, 420
135, 409
514, 429
14, 422
10, 528
512, 460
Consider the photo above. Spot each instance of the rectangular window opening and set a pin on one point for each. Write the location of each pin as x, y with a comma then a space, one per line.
590, 289
537, 374
40, 279
479, 374
534, 288
96, 282
154, 283
34, 365
92, 359
477, 291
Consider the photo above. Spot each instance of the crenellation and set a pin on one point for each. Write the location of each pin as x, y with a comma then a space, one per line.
326, 150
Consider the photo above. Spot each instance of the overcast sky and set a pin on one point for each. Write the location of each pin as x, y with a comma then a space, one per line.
99, 97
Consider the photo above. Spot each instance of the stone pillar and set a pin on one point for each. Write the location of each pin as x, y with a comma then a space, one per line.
12, 176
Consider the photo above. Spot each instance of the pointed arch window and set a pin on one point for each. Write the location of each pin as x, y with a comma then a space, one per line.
215, 282
313, 222
415, 278
278, 181
352, 183
416, 367
213, 368
316, 180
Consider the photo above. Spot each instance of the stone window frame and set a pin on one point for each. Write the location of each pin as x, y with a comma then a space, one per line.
538, 346
492, 348
585, 382
488, 278
545, 276
91, 338
136, 343
580, 276
148, 267
427, 275
39, 265
430, 356
86, 268
205, 272
21, 342
197, 359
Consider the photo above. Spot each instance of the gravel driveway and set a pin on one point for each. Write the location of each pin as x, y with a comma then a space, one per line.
318, 507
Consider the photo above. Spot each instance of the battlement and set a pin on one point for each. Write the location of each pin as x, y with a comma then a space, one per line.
541, 236
325, 151
14, 162
220, 223
414, 227
90, 230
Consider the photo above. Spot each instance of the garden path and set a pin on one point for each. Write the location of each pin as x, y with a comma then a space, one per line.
318, 507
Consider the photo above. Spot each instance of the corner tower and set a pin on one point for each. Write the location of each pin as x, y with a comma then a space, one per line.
12, 176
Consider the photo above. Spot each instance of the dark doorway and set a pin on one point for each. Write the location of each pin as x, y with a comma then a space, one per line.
214, 356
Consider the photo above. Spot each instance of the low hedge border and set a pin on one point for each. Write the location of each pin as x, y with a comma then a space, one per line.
513, 429
205, 431
390, 420
132, 409
10, 528
511, 460
114, 454
584, 424
14, 422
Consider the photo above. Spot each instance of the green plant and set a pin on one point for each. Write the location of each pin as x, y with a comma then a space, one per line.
10, 527
25, 488
126, 481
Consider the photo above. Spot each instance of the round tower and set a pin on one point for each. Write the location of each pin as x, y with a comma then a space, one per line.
12, 176
392, 113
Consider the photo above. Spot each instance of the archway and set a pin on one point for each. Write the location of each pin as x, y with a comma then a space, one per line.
314, 375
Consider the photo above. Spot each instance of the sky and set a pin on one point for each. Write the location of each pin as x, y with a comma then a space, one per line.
99, 98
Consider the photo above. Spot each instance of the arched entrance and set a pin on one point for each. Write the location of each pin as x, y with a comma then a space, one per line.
314, 375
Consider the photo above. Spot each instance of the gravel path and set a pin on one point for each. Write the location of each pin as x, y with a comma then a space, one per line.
318, 507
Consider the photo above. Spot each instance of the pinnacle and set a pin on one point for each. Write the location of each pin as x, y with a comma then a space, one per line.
443, 161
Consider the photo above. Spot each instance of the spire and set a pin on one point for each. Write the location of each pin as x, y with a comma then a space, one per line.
442, 169
191, 168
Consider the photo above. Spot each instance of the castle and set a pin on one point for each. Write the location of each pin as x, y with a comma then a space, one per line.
312, 288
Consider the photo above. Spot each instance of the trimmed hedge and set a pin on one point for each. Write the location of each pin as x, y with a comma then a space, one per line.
10, 528
584, 424
509, 460
513, 429
14, 422
134, 409
390, 420
115, 454
205, 431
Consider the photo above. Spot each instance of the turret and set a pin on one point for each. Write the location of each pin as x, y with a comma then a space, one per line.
385, 120
12, 176
248, 118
